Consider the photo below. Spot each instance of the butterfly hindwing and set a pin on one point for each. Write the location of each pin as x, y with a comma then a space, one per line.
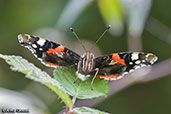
50, 53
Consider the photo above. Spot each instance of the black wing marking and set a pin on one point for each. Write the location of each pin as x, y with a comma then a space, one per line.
115, 66
108, 68
49, 53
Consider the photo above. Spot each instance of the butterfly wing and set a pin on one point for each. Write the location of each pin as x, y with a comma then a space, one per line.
115, 66
49, 53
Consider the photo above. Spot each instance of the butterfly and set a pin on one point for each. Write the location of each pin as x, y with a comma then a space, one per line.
108, 67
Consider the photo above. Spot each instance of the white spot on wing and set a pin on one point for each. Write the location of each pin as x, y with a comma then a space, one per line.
137, 67
125, 73
143, 61
137, 62
117, 78
40, 49
47, 64
107, 79
131, 70
131, 63
134, 56
34, 45
143, 65
41, 42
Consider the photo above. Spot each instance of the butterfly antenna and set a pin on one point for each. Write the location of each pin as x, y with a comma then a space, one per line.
78, 38
100, 37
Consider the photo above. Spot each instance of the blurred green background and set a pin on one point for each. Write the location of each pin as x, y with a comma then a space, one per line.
89, 19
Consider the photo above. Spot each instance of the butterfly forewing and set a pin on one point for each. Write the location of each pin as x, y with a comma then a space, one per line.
115, 66
50, 53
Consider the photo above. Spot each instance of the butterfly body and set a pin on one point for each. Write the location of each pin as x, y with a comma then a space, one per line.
109, 67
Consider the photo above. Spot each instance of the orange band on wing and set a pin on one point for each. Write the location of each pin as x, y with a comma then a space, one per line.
56, 50
50, 64
117, 58
109, 77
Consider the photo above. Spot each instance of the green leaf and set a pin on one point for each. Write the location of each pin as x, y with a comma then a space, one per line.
32, 72
112, 14
86, 110
80, 89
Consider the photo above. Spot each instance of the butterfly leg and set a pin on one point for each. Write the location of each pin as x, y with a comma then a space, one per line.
77, 75
97, 70
76, 80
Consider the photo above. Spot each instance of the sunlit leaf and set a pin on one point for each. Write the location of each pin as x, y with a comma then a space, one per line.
32, 72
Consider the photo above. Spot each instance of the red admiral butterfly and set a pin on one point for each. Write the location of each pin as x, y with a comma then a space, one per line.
108, 67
